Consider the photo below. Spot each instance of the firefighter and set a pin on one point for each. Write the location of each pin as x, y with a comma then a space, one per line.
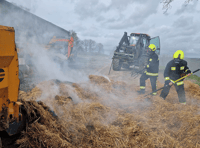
174, 70
151, 70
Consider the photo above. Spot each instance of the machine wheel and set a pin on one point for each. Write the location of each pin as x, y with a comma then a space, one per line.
126, 66
116, 65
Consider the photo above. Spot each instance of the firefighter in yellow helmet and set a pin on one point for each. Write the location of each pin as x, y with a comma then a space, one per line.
151, 70
173, 71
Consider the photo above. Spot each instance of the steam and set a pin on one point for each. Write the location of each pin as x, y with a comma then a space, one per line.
51, 65
32, 36
117, 100
50, 90
164, 59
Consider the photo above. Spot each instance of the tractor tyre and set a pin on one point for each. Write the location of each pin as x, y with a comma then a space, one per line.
116, 65
126, 66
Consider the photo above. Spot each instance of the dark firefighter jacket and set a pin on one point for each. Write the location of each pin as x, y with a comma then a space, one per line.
174, 70
152, 66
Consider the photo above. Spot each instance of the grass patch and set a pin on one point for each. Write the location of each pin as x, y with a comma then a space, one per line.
195, 78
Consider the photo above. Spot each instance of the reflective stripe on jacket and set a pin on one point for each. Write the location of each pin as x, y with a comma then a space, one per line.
174, 70
151, 74
153, 65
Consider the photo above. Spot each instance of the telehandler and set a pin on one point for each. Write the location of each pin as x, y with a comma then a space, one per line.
132, 51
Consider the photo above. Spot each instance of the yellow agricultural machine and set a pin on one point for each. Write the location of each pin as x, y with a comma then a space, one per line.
11, 117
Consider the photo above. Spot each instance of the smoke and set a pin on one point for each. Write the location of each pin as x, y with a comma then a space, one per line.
33, 34
50, 90
164, 59
50, 65
122, 98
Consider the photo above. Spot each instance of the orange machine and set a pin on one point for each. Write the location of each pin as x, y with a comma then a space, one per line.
10, 117
61, 39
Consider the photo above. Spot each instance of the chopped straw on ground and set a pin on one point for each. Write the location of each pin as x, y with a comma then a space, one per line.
109, 114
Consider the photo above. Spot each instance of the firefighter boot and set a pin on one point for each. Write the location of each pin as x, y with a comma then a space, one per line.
183, 103
154, 94
142, 91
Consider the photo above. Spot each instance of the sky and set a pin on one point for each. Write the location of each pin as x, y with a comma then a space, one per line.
105, 21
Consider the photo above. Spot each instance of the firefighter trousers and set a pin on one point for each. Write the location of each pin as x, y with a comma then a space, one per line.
179, 89
153, 80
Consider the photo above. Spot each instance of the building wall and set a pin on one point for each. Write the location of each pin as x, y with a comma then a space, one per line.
28, 27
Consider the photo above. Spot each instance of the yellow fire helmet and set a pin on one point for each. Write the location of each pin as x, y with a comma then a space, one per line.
152, 47
177, 53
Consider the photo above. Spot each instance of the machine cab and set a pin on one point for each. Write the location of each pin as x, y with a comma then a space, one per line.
139, 38
133, 40
156, 42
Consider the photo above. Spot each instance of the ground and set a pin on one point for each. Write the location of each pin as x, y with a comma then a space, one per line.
106, 111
